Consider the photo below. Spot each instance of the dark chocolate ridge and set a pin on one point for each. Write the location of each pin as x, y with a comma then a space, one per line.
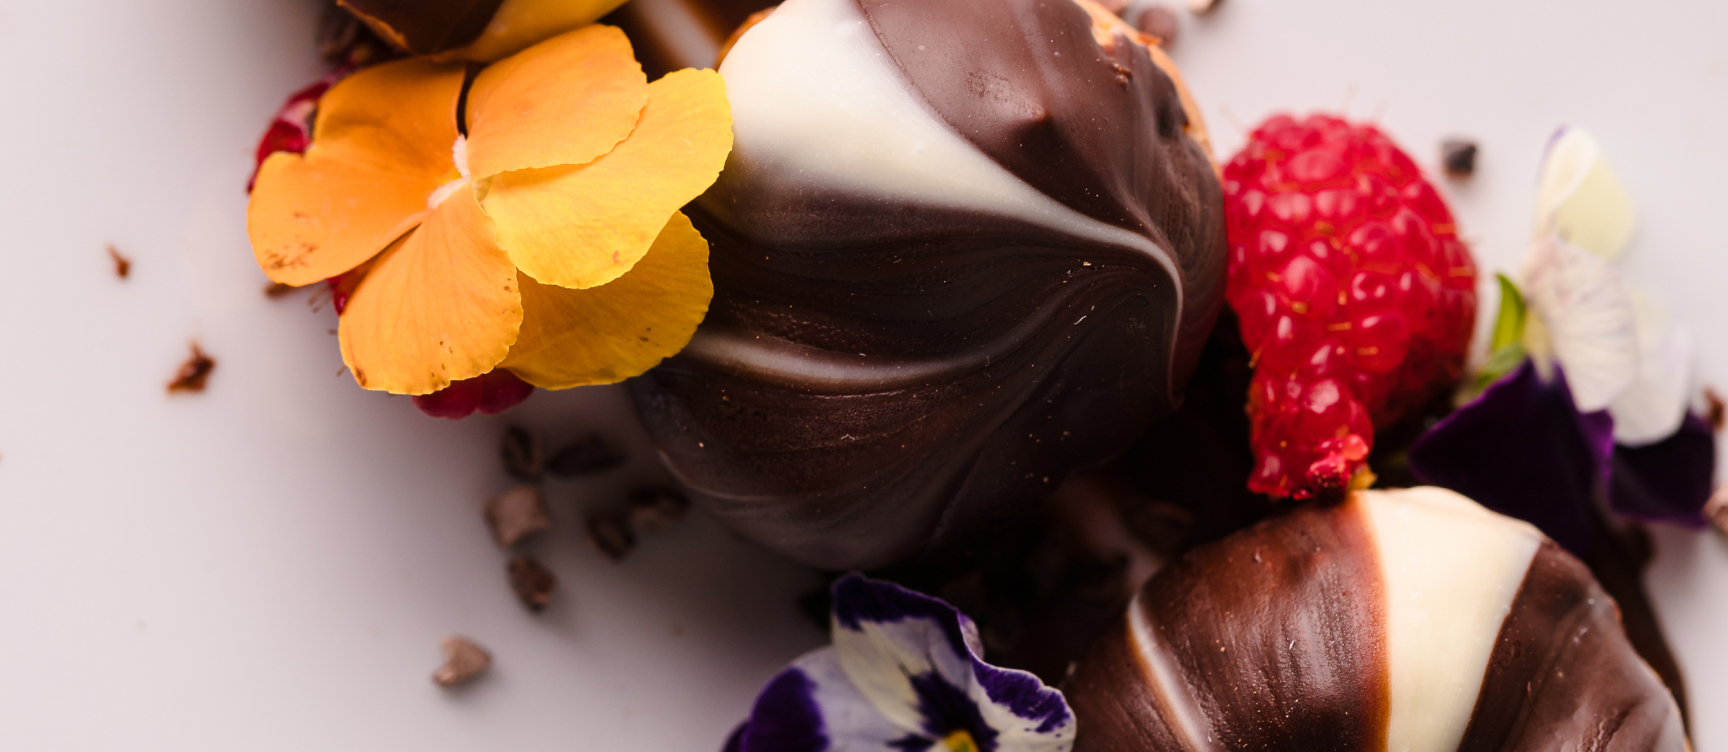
1278, 635
1074, 120
426, 27
1563, 676
1114, 706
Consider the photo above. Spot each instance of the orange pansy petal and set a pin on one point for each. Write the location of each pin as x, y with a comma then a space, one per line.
564, 101
381, 146
586, 225
440, 306
607, 334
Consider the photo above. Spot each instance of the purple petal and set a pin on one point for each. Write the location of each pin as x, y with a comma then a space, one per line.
1668, 481
785, 718
858, 599
1521, 448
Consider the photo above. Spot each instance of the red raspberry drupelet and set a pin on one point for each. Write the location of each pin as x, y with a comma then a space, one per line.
1355, 295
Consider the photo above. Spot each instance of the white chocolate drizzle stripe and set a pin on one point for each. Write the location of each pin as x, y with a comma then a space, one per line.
1175, 705
817, 103
1452, 570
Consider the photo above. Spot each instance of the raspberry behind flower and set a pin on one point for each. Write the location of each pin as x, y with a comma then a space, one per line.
1355, 295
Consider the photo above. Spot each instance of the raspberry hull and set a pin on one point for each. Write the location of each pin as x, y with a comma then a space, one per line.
1355, 295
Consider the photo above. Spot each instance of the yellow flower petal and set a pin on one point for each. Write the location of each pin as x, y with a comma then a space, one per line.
607, 334
564, 101
520, 23
440, 306
586, 225
381, 146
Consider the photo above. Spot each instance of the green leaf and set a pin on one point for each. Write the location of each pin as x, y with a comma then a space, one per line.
1509, 326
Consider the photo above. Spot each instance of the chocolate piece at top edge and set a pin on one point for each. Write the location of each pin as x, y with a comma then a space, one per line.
425, 27
960, 251
672, 34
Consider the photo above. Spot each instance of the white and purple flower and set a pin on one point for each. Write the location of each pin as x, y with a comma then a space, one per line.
1591, 384
905, 674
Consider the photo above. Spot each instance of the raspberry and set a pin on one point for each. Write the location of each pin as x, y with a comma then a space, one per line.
1354, 293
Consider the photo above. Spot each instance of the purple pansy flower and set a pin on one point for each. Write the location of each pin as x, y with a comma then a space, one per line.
904, 674
1595, 383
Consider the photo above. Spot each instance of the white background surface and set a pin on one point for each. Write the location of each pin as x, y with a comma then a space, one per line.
270, 565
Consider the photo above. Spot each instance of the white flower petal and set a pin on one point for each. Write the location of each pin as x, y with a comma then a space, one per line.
1587, 321
1581, 199
850, 721
882, 657
1652, 408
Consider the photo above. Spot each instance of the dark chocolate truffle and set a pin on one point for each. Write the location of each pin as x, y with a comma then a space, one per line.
960, 250
1409, 620
424, 27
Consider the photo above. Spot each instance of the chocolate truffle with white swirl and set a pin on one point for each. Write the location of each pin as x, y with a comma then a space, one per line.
961, 249
1400, 620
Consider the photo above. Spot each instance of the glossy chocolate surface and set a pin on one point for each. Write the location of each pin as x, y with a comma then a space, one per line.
890, 373
1280, 637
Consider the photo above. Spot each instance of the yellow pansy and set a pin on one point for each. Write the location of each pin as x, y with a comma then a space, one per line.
542, 236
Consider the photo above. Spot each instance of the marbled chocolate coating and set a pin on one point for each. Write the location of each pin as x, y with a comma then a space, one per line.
961, 249
1403, 620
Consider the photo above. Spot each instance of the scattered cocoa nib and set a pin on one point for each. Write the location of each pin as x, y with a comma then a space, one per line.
1458, 157
277, 289
1158, 21
122, 265
463, 660
532, 582
194, 373
1202, 7
657, 508
1715, 410
517, 514
524, 454
589, 455
610, 534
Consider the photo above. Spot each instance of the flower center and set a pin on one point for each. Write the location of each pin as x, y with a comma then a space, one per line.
960, 741
459, 155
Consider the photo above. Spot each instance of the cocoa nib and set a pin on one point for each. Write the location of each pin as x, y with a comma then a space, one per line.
122, 265
1716, 510
523, 453
610, 534
532, 582
194, 373
277, 289
1458, 157
517, 514
589, 455
463, 660
1158, 21
1715, 411
657, 508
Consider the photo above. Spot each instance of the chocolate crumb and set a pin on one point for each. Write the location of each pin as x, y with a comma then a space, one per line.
589, 455
524, 454
532, 582
517, 514
610, 534
1458, 157
1158, 21
1715, 410
194, 373
122, 265
277, 289
463, 660
657, 508
1202, 7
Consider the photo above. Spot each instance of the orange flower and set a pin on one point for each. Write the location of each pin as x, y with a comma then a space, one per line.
544, 237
